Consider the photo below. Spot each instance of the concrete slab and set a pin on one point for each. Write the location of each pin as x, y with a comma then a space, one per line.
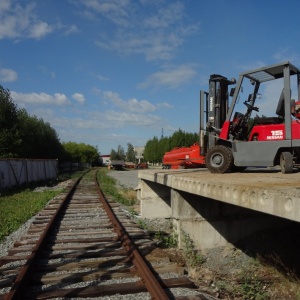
264, 190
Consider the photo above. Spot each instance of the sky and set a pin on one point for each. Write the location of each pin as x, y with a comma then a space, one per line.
112, 72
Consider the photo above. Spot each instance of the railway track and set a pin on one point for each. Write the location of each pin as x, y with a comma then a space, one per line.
82, 246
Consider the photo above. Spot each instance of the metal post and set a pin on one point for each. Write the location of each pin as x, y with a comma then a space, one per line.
287, 102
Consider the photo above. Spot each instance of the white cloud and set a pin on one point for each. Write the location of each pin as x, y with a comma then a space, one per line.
41, 98
79, 98
46, 113
4, 5
166, 16
131, 105
287, 54
115, 7
8, 75
153, 45
120, 119
39, 30
104, 120
139, 106
114, 10
102, 78
71, 29
17, 21
78, 123
171, 77
47, 72
164, 105
252, 66
156, 37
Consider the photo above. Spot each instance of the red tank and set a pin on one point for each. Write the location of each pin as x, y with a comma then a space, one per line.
184, 158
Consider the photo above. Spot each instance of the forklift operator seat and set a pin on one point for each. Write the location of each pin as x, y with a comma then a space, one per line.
280, 106
273, 120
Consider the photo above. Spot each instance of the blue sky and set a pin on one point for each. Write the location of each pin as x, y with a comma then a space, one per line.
112, 72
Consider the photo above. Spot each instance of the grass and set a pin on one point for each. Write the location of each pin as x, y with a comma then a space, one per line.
109, 187
19, 204
166, 240
17, 207
252, 288
192, 256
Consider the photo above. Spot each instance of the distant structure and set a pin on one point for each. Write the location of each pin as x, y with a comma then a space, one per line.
162, 133
106, 159
139, 153
139, 156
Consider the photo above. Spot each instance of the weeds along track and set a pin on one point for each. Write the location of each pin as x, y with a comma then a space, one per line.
81, 246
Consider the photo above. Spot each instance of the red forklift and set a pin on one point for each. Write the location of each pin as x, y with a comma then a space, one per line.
232, 141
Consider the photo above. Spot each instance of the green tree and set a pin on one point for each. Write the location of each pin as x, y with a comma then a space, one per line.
178, 139
155, 149
80, 152
113, 155
9, 125
191, 138
118, 154
130, 154
22, 135
121, 153
151, 152
38, 138
163, 146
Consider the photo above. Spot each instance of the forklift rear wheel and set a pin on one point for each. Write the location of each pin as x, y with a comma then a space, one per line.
219, 159
286, 162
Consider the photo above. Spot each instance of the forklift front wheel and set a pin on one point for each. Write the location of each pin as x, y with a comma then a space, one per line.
286, 162
219, 159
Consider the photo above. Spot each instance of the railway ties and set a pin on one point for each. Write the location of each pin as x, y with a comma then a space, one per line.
80, 246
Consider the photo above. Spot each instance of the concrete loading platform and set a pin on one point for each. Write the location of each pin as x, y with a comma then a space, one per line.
217, 209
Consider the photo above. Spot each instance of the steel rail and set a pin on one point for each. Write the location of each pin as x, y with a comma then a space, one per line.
143, 269
17, 290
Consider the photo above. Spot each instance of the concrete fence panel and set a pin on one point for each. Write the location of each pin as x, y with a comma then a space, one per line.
15, 172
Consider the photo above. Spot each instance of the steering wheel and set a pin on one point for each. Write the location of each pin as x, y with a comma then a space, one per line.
251, 107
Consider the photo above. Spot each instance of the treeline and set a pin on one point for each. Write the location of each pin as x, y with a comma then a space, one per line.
120, 153
25, 136
156, 148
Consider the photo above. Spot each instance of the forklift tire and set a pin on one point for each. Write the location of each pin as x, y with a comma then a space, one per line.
219, 159
286, 162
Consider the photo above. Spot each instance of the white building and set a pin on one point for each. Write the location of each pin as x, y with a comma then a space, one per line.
139, 153
106, 159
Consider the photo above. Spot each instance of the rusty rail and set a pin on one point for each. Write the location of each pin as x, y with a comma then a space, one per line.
143, 269
148, 278
17, 289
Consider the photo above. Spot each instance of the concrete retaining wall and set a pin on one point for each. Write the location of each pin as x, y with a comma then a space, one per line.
215, 210
211, 223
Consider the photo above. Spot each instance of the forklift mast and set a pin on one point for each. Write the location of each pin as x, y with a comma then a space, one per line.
217, 105
218, 100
